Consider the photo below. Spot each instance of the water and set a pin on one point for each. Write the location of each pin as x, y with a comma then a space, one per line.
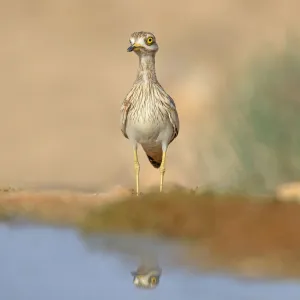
46, 263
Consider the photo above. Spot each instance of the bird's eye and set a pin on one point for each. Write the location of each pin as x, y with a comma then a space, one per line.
153, 280
149, 40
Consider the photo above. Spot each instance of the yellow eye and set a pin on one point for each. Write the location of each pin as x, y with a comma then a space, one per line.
149, 40
153, 280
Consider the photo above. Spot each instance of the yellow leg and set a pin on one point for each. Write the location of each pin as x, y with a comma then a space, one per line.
162, 171
137, 170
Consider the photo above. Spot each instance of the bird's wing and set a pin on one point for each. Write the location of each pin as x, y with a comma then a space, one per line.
125, 106
173, 115
170, 106
124, 111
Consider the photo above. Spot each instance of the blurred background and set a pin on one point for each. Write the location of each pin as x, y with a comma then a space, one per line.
232, 68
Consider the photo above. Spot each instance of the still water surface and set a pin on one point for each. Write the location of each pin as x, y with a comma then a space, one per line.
45, 263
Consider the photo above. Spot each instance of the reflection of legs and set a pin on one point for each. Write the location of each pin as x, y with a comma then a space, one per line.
137, 169
162, 170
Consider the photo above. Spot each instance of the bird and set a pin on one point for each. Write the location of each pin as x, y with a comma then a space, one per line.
149, 115
147, 278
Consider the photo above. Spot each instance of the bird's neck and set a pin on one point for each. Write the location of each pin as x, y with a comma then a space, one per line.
146, 70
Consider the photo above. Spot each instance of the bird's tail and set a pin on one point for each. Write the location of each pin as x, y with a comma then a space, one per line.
154, 155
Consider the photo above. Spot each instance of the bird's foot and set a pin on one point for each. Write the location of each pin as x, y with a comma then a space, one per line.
134, 193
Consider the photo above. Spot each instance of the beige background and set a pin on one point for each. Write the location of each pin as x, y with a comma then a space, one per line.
65, 70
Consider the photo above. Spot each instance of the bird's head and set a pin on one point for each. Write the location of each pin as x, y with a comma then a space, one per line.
143, 43
147, 278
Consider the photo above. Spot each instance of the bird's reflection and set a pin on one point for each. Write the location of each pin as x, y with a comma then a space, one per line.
148, 254
146, 277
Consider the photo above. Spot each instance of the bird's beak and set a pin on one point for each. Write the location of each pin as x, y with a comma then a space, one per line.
134, 47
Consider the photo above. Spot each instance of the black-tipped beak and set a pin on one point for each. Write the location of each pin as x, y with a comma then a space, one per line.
129, 49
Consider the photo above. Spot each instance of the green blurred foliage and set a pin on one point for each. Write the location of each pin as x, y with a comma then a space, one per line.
264, 126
